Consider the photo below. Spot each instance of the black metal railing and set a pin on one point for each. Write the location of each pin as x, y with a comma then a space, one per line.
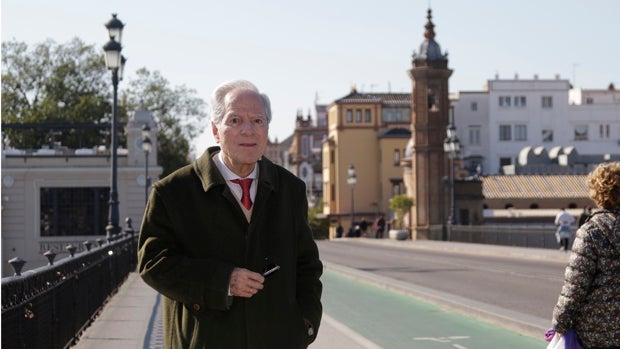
50, 306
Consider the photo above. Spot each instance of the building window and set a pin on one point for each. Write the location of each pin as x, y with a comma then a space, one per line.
367, 116
581, 132
519, 101
474, 106
358, 116
389, 116
547, 136
305, 145
547, 102
349, 116
432, 100
520, 133
589, 100
504, 101
505, 132
396, 157
504, 161
74, 211
603, 131
474, 135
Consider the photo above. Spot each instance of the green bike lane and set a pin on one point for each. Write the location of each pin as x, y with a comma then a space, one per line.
392, 320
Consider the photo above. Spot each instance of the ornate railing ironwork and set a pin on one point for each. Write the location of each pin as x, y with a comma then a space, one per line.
49, 307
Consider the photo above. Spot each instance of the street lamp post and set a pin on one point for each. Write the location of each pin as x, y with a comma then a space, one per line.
452, 147
351, 180
114, 61
146, 147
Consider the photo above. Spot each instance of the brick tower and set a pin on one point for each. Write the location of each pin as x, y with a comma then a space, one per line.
430, 108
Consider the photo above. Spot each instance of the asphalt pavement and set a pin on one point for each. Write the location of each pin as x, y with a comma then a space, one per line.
132, 317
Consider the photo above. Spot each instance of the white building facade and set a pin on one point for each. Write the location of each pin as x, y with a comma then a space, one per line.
54, 197
496, 125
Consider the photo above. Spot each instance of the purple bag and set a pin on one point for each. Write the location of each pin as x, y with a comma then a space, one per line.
570, 340
567, 341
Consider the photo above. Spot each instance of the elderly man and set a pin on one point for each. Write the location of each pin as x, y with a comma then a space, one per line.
226, 240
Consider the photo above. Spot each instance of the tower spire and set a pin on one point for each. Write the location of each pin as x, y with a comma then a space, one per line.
429, 33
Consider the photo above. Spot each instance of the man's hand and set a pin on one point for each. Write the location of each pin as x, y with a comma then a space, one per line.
245, 283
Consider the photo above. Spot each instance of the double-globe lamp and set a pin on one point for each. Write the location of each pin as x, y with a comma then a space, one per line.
116, 63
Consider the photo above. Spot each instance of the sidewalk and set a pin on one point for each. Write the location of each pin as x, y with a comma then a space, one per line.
132, 318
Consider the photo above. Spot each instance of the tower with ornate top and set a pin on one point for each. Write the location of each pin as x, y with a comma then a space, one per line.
430, 109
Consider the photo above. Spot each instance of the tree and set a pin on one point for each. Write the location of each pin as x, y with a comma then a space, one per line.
67, 84
54, 84
401, 204
177, 112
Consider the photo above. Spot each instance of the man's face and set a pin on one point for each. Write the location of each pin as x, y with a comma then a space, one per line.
243, 132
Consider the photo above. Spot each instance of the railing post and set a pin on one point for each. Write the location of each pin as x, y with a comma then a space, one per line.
129, 231
17, 264
87, 244
71, 249
50, 254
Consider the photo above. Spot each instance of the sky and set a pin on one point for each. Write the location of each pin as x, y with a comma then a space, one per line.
306, 52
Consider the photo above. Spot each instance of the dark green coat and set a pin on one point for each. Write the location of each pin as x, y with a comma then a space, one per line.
194, 233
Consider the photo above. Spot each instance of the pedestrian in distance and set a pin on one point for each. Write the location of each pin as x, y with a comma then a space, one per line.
563, 220
339, 230
226, 240
364, 227
589, 302
379, 226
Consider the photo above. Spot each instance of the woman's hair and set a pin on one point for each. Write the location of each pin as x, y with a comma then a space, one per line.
218, 99
604, 184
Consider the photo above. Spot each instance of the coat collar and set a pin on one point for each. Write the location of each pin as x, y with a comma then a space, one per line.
211, 177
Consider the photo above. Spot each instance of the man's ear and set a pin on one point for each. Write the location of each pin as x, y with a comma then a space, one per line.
216, 134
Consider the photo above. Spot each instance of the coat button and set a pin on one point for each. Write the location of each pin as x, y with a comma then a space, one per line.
196, 307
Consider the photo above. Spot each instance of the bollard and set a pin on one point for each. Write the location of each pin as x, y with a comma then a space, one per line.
17, 264
50, 254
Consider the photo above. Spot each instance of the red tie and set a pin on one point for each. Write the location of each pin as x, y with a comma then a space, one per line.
245, 184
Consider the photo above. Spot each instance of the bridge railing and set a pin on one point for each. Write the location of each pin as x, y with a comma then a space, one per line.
522, 235
50, 306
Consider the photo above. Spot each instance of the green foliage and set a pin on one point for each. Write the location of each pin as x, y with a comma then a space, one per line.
401, 204
70, 84
54, 84
178, 114
318, 223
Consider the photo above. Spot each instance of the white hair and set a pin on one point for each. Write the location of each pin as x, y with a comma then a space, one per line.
218, 105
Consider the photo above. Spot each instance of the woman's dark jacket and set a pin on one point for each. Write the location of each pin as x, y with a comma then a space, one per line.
590, 299
194, 233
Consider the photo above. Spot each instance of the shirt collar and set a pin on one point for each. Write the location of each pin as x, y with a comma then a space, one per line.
226, 172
